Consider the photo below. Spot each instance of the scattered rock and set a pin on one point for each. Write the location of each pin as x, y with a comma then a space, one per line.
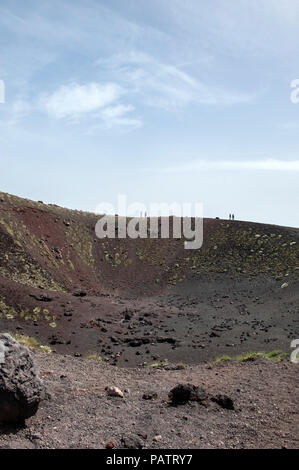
224, 401
149, 396
114, 392
41, 298
128, 315
157, 438
131, 442
175, 367
21, 388
214, 335
33, 436
79, 293
110, 445
136, 342
183, 393
55, 340
169, 340
68, 314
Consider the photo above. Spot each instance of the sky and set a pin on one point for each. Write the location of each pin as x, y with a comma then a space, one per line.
162, 101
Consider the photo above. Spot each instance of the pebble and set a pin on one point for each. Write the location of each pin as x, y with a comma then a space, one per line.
110, 445
114, 392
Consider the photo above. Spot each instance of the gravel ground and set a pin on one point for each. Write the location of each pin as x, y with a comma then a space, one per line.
80, 414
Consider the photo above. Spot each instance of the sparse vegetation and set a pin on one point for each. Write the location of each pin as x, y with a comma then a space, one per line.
95, 356
274, 356
224, 358
33, 315
157, 364
31, 343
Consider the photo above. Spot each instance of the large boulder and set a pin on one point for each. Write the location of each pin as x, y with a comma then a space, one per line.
21, 388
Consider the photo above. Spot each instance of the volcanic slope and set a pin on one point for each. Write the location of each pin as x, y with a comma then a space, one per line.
144, 301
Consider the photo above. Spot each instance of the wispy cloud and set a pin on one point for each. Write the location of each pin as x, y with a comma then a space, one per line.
74, 100
117, 116
256, 165
47, 39
98, 102
253, 28
98, 105
163, 85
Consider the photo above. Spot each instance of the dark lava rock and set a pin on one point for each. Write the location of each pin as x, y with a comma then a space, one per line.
131, 442
183, 393
79, 293
41, 298
224, 401
163, 339
45, 298
55, 340
149, 396
128, 315
136, 342
68, 314
214, 335
21, 388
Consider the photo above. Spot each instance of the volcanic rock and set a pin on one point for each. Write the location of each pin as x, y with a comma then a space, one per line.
183, 393
150, 396
80, 293
114, 392
21, 388
131, 442
224, 401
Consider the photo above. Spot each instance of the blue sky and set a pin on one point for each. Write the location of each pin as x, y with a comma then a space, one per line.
161, 100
